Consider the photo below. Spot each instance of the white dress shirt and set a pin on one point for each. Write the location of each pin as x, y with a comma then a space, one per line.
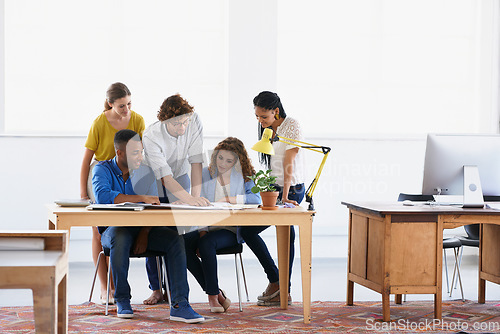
168, 155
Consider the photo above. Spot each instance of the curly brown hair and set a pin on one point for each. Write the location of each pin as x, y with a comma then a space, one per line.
174, 106
236, 146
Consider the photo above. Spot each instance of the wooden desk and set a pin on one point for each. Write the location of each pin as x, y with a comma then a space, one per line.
43, 271
396, 249
64, 218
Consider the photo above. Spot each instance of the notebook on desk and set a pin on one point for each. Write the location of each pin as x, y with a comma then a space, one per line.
72, 202
212, 206
121, 206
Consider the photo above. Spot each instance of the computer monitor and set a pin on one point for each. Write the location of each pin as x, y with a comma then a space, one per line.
446, 156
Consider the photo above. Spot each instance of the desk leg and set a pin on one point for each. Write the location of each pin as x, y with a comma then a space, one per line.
386, 303
62, 306
350, 292
52, 226
438, 299
350, 284
44, 307
481, 294
305, 231
481, 297
399, 298
283, 241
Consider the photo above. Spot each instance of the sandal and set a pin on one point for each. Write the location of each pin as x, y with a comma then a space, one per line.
227, 301
111, 301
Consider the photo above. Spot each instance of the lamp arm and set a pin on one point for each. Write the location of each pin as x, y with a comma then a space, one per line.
320, 149
312, 186
295, 142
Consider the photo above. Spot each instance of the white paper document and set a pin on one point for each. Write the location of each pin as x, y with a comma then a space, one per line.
120, 206
449, 199
213, 206
494, 206
142, 206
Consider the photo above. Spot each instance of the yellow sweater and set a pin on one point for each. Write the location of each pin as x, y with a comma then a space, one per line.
102, 134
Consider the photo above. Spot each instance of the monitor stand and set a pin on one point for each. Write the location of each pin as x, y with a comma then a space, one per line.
473, 193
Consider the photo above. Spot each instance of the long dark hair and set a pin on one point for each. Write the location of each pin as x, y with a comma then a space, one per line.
268, 101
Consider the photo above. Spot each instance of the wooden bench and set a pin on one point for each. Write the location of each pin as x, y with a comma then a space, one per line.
44, 271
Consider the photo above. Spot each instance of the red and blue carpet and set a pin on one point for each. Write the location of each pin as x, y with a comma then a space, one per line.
328, 317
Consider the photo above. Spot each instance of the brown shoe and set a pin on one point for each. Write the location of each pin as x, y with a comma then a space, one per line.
274, 301
272, 290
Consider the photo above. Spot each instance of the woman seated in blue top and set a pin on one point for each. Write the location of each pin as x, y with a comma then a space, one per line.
222, 182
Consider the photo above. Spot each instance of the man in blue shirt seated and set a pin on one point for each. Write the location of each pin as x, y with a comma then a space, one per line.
125, 179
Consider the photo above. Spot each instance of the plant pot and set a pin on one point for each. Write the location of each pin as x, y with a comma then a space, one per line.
269, 200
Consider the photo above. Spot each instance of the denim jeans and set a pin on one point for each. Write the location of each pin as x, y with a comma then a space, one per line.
120, 241
252, 238
165, 197
205, 270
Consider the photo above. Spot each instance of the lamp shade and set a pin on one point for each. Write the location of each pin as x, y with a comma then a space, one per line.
264, 145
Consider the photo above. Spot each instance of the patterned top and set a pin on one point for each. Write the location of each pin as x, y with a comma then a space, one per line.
290, 128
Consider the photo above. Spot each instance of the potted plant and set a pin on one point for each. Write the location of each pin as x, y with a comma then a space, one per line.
263, 184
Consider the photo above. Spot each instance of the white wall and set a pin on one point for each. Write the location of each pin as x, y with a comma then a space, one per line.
37, 170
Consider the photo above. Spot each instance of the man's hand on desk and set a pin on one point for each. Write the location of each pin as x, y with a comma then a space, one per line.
150, 199
194, 201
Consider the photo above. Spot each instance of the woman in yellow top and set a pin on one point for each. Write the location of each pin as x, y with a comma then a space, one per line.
116, 116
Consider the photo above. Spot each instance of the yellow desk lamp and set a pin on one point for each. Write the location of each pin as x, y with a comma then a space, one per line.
264, 145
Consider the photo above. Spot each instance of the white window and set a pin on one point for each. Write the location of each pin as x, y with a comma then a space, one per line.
61, 56
389, 66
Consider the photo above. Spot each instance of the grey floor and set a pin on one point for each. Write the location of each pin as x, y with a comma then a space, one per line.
328, 277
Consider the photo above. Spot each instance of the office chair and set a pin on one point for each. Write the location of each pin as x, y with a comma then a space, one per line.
456, 245
448, 243
472, 238
236, 250
158, 255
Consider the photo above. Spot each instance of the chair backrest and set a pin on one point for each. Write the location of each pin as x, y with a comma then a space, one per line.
491, 198
415, 197
472, 231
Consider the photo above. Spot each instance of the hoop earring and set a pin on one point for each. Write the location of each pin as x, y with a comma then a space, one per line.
277, 116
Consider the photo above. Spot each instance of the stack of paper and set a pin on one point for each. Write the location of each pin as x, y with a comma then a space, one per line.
120, 206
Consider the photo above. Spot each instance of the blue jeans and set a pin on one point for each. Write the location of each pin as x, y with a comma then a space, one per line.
120, 241
252, 238
205, 270
165, 197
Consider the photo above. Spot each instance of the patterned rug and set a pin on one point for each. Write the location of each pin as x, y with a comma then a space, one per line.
328, 317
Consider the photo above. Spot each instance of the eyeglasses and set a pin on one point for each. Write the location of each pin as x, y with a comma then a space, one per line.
177, 123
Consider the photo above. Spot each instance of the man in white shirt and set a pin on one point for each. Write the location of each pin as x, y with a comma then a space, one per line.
173, 145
